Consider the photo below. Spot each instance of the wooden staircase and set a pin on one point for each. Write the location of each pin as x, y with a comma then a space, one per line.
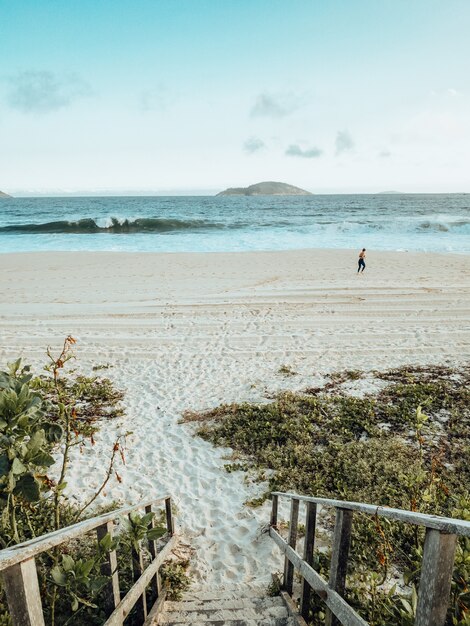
238, 606
226, 608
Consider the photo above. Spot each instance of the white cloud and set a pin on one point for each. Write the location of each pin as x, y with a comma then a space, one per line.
253, 144
280, 105
43, 91
309, 153
446, 92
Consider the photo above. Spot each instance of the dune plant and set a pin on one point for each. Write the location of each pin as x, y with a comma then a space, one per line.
26, 440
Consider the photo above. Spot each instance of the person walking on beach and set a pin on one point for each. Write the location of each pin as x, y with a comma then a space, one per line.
361, 266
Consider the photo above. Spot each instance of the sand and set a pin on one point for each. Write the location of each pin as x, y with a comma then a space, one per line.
189, 331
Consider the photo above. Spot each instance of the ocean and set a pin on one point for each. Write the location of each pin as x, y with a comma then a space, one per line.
421, 222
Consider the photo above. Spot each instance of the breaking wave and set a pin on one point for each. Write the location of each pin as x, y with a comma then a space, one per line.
89, 226
168, 225
444, 227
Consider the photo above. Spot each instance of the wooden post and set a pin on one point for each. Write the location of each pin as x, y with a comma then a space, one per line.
436, 578
275, 502
169, 517
153, 553
23, 596
309, 544
109, 568
339, 558
288, 566
137, 570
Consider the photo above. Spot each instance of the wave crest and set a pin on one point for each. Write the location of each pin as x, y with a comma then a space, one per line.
87, 226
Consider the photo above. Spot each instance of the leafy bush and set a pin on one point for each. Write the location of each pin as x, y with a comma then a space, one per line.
175, 578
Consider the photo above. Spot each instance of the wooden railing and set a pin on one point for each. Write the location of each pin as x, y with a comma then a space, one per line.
20, 579
436, 569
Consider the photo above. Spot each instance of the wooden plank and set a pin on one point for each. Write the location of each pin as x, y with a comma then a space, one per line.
292, 609
125, 606
137, 571
309, 545
28, 549
339, 558
446, 525
169, 517
153, 553
156, 610
274, 509
112, 592
293, 525
337, 604
436, 577
22, 592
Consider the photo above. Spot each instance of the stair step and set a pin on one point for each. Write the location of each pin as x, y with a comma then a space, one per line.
224, 603
222, 615
274, 621
226, 594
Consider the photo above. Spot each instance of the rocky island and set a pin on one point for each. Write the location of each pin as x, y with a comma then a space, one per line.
268, 188
4, 195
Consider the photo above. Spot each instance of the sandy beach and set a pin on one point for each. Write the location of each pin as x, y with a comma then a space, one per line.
189, 331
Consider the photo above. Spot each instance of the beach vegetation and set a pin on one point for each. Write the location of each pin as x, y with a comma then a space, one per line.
101, 366
287, 370
43, 418
406, 445
138, 527
174, 576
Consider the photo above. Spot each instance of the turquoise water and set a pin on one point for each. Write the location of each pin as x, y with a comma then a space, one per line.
435, 222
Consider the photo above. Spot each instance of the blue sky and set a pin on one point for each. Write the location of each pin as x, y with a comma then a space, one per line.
198, 95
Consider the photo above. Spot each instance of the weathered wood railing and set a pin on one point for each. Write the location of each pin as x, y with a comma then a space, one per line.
20, 579
437, 563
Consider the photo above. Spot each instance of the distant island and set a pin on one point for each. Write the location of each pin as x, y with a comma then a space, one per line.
4, 195
268, 188
389, 193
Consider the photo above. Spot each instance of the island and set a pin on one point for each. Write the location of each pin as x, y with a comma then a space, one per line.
4, 195
268, 188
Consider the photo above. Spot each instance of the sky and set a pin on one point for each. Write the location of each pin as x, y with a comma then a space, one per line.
193, 96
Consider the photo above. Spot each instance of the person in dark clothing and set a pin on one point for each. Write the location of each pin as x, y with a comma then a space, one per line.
361, 266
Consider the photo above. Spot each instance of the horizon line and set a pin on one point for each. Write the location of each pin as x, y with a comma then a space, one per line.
84, 193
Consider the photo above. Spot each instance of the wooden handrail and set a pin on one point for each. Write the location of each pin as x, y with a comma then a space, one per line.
437, 561
318, 584
443, 524
18, 567
137, 590
28, 549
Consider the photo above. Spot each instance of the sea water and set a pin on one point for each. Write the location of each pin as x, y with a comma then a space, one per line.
434, 222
